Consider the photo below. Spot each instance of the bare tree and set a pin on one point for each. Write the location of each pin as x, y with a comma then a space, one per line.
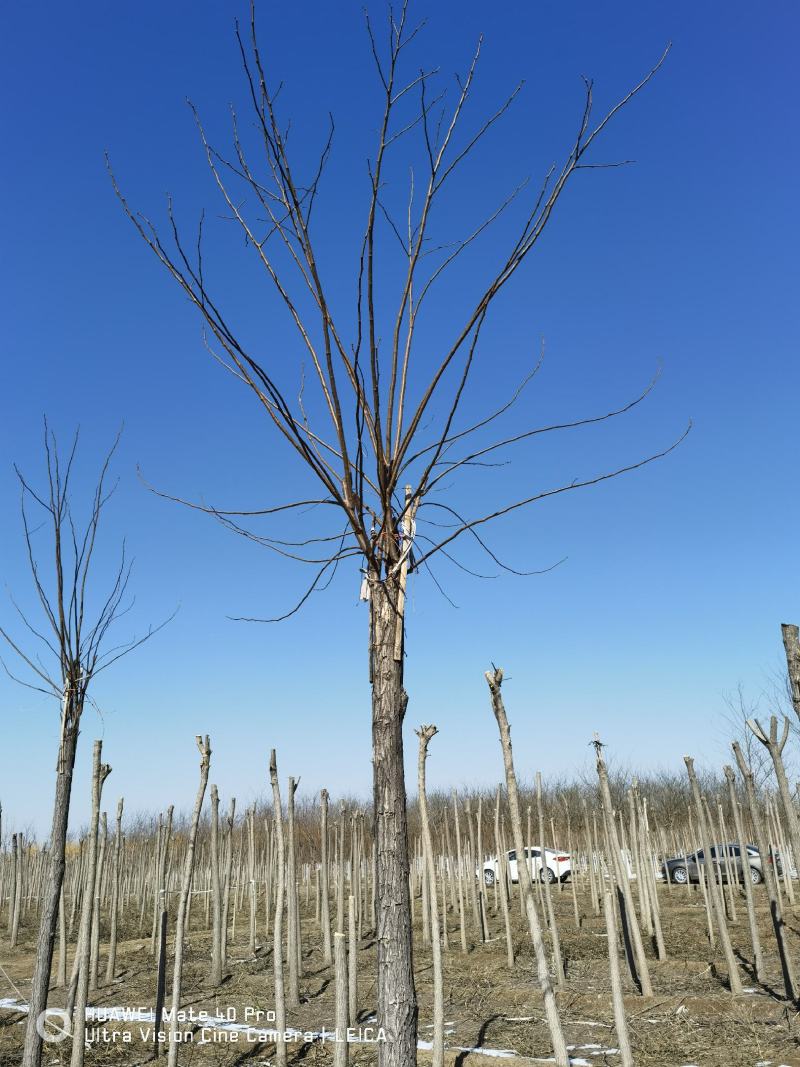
100, 771
425, 733
710, 877
277, 925
112, 940
769, 874
74, 638
741, 708
617, 1000
215, 977
494, 679
204, 748
775, 746
382, 431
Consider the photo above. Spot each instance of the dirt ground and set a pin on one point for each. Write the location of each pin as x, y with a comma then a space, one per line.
490, 1010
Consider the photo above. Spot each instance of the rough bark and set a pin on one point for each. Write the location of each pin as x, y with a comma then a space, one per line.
791, 643
61, 980
48, 917
397, 999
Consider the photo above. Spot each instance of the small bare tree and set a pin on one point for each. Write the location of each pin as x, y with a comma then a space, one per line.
74, 635
277, 925
100, 771
740, 709
382, 431
425, 733
775, 745
204, 748
494, 679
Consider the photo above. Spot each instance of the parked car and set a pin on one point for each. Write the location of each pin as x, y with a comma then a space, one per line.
557, 865
681, 869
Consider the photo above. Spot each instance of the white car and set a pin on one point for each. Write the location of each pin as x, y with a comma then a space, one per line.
557, 865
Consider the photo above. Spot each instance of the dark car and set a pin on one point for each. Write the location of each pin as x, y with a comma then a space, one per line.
681, 869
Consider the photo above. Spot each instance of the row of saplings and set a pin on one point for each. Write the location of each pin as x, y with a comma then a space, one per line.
129, 875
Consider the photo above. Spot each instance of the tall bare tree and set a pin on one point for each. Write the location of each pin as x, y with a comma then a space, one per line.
69, 647
381, 426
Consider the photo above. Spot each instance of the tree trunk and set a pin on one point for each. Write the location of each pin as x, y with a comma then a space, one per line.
216, 894
226, 893
429, 872
340, 1047
160, 875
94, 950
16, 911
630, 923
475, 886
188, 867
12, 889
51, 892
325, 907
620, 1021
111, 966
714, 892
62, 943
744, 856
292, 948
502, 878
791, 643
352, 962
558, 962
495, 680
775, 746
770, 877
161, 976
100, 771
397, 999
251, 877
277, 924
460, 872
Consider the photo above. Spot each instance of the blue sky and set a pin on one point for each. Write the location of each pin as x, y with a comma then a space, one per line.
676, 577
